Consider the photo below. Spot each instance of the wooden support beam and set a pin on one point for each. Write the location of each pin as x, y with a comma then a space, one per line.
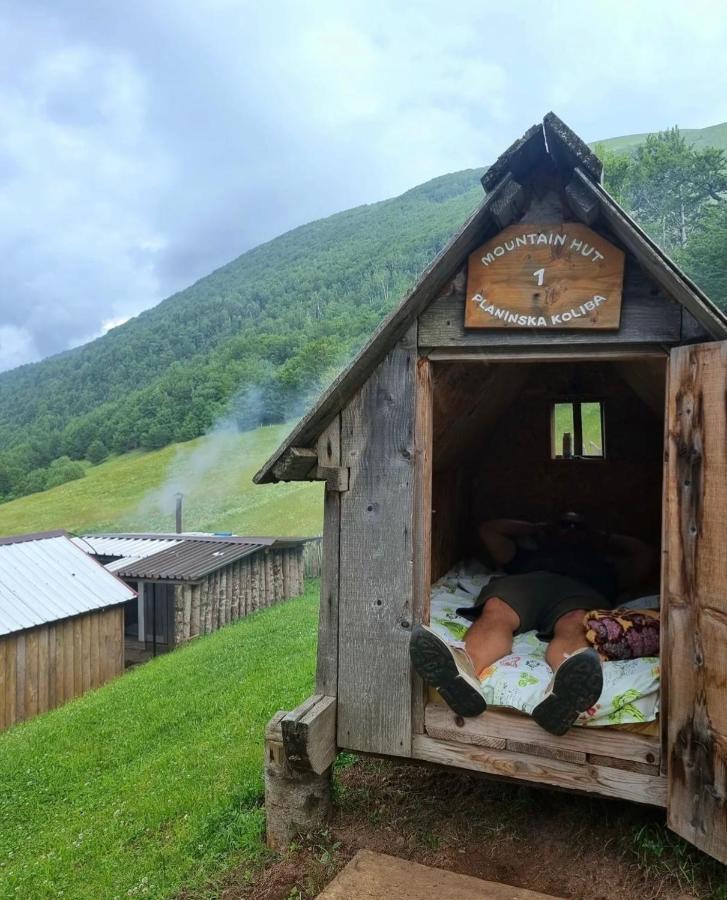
335, 477
583, 204
309, 735
295, 801
590, 779
509, 204
295, 465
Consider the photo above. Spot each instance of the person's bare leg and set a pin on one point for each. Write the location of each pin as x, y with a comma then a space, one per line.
569, 635
490, 637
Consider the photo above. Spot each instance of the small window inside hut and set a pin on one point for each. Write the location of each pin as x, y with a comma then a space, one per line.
577, 430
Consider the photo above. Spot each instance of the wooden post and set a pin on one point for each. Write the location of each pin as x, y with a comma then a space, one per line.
299, 754
255, 582
269, 579
278, 586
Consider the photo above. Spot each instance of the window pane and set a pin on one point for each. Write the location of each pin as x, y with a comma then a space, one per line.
562, 429
592, 429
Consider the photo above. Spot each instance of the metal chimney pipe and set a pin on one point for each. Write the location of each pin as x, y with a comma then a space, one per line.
179, 498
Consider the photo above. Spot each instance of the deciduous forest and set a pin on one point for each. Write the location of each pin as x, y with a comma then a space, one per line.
255, 341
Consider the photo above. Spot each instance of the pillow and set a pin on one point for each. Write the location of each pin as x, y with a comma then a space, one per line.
623, 633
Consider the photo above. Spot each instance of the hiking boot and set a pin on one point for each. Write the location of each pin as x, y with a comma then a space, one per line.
447, 669
576, 687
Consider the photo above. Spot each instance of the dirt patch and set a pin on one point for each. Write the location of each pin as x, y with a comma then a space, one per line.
557, 843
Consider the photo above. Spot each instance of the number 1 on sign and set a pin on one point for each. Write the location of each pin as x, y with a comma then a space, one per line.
539, 274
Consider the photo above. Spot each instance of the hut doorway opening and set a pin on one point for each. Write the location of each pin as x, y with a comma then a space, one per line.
532, 440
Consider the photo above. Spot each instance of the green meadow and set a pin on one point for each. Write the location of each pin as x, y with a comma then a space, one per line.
153, 783
135, 492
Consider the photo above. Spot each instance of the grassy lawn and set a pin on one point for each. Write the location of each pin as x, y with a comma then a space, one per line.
154, 781
135, 492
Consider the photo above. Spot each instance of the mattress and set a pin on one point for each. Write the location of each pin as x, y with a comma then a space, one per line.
520, 680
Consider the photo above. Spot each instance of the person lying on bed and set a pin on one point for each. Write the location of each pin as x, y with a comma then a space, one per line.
555, 574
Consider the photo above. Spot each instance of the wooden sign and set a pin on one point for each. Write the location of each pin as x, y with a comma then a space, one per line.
545, 276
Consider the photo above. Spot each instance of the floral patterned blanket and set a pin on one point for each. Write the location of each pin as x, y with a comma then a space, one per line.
519, 681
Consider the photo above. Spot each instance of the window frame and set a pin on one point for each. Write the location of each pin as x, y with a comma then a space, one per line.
576, 403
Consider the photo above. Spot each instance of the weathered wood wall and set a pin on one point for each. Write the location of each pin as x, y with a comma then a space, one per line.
252, 583
376, 558
695, 588
45, 667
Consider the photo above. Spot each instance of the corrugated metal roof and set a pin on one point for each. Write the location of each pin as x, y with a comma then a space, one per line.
188, 561
127, 547
46, 577
176, 557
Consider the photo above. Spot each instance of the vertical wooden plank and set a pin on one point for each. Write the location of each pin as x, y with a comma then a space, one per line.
194, 610
69, 659
422, 521
269, 579
3, 683
94, 620
187, 616
43, 654
696, 599
31, 673
376, 551
224, 576
285, 559
301, 569
11, 676
278, 591
206, 613
52, 667
86, 643
255, 583
117, 634
329, 454
246, 586
20, 675
77, 657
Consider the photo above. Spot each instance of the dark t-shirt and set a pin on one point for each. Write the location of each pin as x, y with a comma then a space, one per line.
583, 563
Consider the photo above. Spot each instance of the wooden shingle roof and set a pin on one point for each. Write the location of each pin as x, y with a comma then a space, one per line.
549, 143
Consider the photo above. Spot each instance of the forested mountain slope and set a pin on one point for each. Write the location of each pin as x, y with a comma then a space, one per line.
255, 339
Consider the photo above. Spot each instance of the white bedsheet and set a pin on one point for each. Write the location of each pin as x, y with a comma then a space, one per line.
519, 681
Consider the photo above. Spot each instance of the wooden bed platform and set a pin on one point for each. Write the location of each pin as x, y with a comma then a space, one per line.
611, 761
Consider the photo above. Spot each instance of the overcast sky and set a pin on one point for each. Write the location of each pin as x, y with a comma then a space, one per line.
144, 143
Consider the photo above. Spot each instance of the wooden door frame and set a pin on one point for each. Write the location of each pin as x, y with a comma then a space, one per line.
422, 525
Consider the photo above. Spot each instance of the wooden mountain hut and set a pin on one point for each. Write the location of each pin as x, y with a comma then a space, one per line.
61, 624
190, 584
550, 305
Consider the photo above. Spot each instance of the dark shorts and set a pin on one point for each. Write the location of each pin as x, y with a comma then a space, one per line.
539, 599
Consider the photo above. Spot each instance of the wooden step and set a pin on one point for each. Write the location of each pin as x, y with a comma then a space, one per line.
375, 876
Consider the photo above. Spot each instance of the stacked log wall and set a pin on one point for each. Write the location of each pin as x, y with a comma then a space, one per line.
239, 589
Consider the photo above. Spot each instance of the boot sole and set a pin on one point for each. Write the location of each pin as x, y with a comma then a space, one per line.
434, 662
576, 687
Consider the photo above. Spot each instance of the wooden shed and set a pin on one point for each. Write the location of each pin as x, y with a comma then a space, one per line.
61, 624
190, 584
549, 294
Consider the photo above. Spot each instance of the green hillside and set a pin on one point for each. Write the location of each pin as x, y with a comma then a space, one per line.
254, 341
713, 136
135, 492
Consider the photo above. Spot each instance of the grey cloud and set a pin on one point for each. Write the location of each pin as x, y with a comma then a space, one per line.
144, 144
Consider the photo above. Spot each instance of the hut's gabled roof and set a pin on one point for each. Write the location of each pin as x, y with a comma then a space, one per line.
547, 144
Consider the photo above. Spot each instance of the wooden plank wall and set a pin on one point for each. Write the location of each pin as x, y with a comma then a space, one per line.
252, 583
376, 558
44, 667
695, 575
